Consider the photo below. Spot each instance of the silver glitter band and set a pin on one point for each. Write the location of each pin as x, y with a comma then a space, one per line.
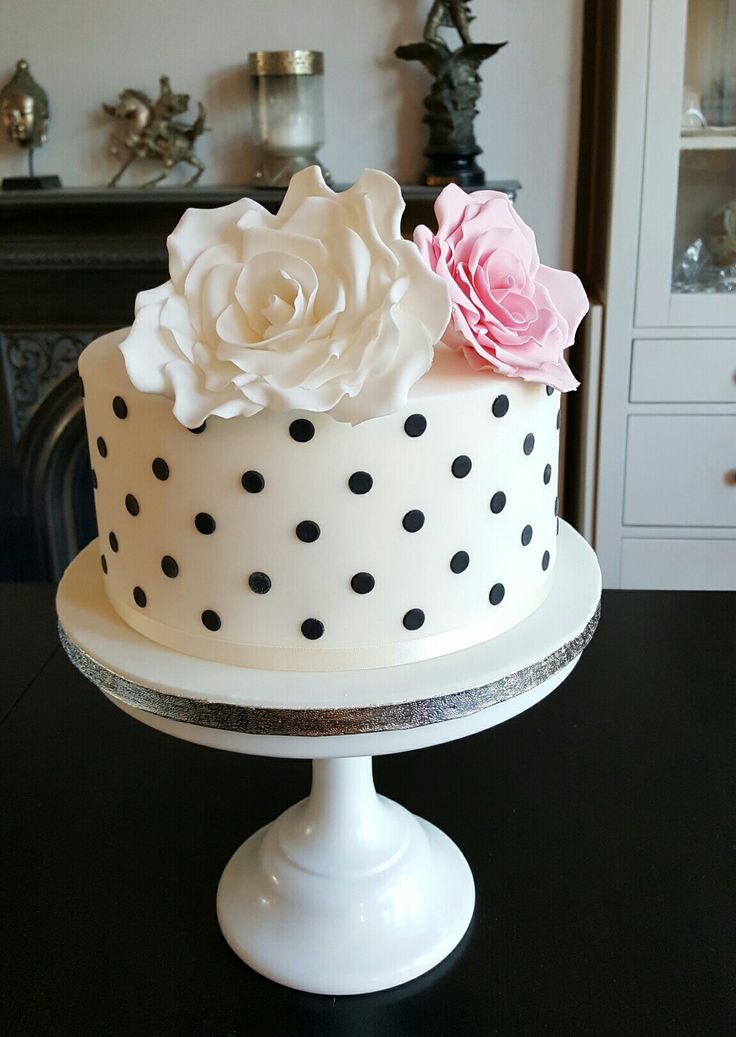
265, 720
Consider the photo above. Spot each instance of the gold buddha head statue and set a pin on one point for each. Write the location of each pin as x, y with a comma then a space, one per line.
24, 109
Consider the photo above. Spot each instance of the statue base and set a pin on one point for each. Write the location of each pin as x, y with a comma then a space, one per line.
462, 170
31, 183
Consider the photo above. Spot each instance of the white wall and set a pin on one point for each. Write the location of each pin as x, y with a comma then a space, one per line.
85, 51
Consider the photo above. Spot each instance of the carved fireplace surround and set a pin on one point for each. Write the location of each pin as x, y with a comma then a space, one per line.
71, 263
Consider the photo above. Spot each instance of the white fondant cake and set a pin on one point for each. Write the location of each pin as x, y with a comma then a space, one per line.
435, 526
292, 472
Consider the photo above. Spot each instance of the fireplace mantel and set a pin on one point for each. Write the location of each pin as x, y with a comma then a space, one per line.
75, 258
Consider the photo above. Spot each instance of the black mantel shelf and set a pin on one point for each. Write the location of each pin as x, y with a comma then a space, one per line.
124, 227
75, 258
207, 195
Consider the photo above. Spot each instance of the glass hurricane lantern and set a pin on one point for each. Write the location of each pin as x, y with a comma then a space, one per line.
288, 112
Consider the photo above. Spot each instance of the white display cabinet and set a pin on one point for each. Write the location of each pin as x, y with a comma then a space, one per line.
661, 257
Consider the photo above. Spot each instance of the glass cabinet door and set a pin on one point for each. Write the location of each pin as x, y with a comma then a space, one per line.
687, 270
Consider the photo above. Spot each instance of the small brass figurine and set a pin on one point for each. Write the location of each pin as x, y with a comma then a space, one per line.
24, 111
451, 102
153, 132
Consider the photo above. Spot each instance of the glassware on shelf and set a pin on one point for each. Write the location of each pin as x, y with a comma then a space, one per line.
693, 119
723, 237
711, 59
704, 245
696, 271
288, 112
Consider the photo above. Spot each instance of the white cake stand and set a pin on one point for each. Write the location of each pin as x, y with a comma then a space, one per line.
346, 892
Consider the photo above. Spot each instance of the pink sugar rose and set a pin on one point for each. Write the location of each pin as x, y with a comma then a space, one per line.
509, 312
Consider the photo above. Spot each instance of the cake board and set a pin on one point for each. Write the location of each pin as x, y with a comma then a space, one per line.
346, 892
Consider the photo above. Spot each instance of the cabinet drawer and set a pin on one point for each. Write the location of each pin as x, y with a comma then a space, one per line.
687, 565
683, 371
680, 471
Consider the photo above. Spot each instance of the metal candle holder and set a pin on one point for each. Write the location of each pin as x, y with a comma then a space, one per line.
288, 112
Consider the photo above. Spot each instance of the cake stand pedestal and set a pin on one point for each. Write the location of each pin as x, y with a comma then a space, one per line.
346, 892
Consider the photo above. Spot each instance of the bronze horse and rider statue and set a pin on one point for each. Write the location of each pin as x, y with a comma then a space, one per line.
153, 132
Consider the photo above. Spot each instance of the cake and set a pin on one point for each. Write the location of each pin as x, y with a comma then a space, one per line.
323, 447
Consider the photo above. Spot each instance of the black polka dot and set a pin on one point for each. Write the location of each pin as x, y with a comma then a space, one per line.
301, 430
102, 446
259, 583
308, 531
199, 429
460, 562
94, 479
528, 443
500, 406
559, 419
549, 389
170, 567
114, 542
498, 502
120, 407
253, 482
497, 594
139, 597
103, 563
413, 521
211, 620
205, 523
414, 619
312, 629
526, 536
547, 473
360, 482
545, 561
131, 504
362, 583
81, 386
557, 505
461, 466
415, 425
160, 469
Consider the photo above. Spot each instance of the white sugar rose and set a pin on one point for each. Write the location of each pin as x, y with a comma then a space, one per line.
321, 307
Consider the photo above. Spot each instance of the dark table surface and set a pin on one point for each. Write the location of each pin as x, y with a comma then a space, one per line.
599, 826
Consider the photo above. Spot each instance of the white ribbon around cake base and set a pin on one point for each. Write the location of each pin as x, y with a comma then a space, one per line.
311, 658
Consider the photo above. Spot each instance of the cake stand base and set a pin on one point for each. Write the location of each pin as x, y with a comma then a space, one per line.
346, 892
